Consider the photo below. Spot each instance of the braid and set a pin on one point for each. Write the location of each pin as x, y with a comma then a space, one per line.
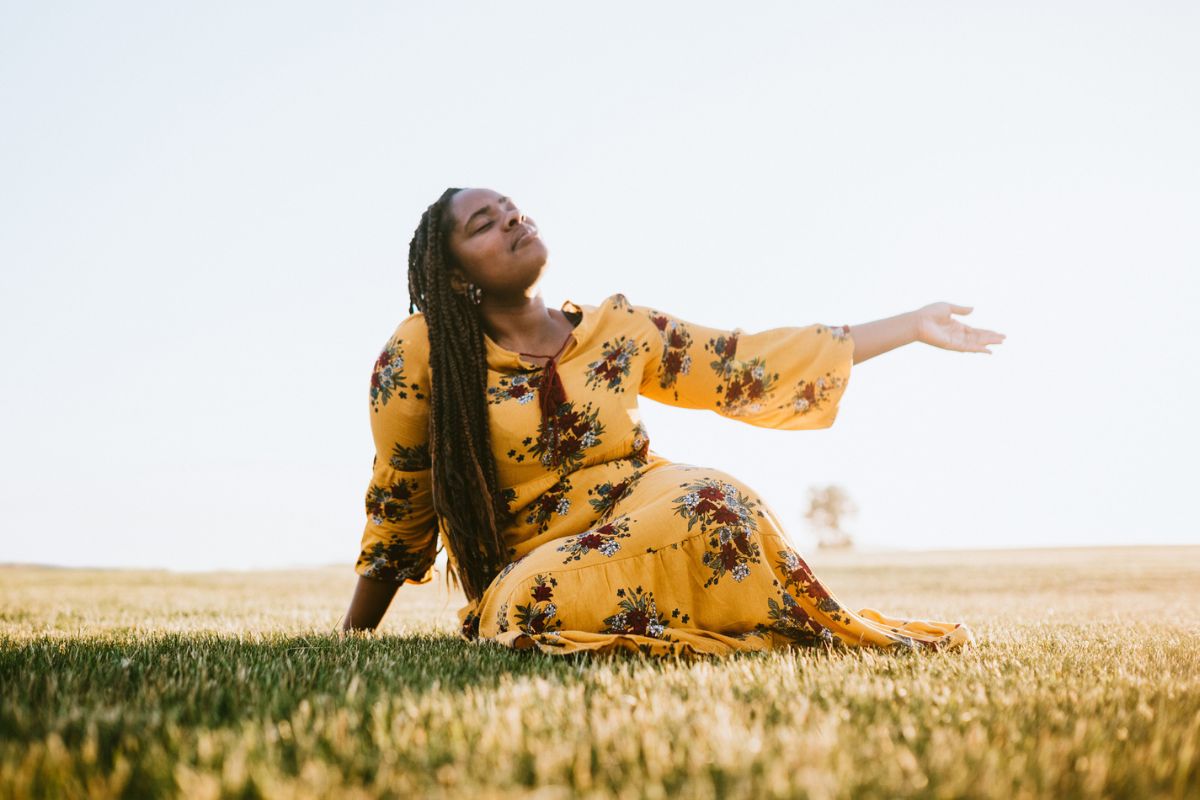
464, 470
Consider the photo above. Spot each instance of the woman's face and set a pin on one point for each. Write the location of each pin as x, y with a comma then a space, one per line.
497, 247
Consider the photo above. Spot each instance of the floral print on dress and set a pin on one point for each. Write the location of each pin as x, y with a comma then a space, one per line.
811, 396
613, 366
539, 615
410, 459
387, 377
392, 502
470, 626
392, 562
637, 614
675, 358
621, 303
799, 577
728, 516
788, 619
563, 437
838, 332
601, 540
641, 445
504, 509
510, 566
609, 493
746, 385
522, 388
549, 503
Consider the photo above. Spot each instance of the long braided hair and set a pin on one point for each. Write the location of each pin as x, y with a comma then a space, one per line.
465, 491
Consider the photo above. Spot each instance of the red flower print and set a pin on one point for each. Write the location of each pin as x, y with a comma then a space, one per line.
676, 340
613, 365
602, 540
541, 615
607, 495
731, 344
637, 614
812, 395
637, 621
799, 577
387, 376
564, 436
729, 555
728, 516
788, 619
673, 362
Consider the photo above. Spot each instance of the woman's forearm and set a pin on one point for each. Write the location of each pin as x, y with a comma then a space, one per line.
370, 602
873, 338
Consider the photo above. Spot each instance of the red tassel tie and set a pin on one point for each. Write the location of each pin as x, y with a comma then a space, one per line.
551, 395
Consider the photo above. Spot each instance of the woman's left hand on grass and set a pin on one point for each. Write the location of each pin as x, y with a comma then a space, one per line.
935, 326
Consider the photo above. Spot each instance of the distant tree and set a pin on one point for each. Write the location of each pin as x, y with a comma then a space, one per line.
828, 507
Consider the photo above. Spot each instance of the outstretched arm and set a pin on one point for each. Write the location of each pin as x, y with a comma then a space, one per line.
931, 324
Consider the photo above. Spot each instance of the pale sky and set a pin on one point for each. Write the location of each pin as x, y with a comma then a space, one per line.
206, 211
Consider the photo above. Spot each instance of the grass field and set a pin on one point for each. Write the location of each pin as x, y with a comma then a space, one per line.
1086, 683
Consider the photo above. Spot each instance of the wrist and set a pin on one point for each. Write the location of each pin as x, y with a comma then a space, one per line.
912, 326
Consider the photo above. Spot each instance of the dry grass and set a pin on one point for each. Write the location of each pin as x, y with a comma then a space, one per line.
1085, 684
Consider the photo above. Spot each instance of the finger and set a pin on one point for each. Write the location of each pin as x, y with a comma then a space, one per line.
960, 309
982, 334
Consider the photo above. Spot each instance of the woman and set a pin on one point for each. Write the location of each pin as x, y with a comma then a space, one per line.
510, 431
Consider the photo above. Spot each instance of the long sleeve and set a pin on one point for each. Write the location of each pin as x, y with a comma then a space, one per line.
399, 543
789, 378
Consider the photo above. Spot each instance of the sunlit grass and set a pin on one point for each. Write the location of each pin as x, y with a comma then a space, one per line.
1086, 683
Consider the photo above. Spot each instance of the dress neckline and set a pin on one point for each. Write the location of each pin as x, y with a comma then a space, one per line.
501, 357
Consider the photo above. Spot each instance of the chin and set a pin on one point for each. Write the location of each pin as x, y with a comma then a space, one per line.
534, 269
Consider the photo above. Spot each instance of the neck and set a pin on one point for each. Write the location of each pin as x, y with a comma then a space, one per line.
523, 324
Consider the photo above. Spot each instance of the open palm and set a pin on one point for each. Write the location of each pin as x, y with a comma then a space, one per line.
935, 326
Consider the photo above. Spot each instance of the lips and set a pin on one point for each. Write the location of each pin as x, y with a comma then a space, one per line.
525, 231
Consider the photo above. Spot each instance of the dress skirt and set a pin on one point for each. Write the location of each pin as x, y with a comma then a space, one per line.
689, 561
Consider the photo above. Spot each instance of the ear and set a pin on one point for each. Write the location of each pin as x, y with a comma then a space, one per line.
458, 282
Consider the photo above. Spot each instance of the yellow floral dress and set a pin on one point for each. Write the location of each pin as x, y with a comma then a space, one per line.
613, 546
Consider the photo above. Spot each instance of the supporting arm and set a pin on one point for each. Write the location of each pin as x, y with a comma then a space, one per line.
370, 602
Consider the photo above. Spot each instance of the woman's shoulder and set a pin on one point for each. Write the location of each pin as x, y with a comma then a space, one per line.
617, 302
412, 331
617, 311
408, 346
